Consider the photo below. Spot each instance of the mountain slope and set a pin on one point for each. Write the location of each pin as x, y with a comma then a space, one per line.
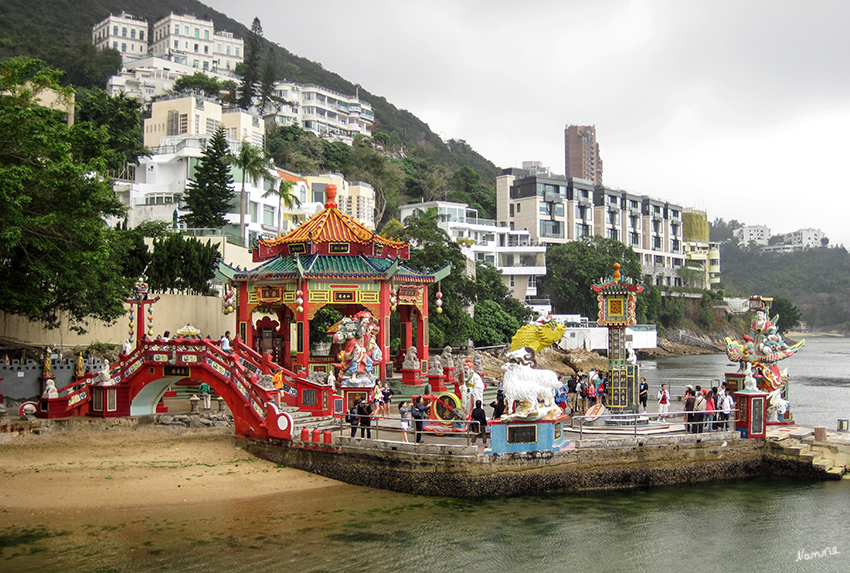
41, 28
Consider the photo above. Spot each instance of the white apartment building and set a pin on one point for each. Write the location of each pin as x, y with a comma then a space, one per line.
151, 77
194, 42
329, 114
805, 238
124, 32
555, 209
184, 116
512, 252
355, 198
758, 234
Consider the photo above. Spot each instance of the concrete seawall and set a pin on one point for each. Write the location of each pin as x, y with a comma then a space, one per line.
457, 471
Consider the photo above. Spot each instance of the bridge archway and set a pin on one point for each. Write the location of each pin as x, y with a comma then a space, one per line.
149, 395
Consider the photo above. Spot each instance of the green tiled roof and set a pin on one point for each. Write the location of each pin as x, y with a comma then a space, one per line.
342, 266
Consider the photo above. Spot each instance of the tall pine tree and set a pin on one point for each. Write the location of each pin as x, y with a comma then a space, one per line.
208, 195
249, 68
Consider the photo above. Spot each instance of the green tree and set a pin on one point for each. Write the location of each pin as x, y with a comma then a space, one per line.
252, 162
208, 195
573, 267
267, 85
87, 67
122, 118
181, 263
199, 82
56, 256
492, 325
789, 315
385, 175
284, 192
249, 68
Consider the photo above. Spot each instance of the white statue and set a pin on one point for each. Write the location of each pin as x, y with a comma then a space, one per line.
529, 387
411, 361
50, 390
472, 389
103, 377
436, 367
446, 358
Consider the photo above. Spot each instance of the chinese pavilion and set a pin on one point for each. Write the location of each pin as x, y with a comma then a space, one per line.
330, 260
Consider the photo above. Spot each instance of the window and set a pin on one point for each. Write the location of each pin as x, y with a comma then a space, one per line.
196, 63
197, 33
532, 281
123, 47
115, 45
228, 50
141, 35
185, 30
206, 49
196, 49
206, 34
133, 34
176, 29
206, 65
518, 207
227, 64
115, 30
268, 215
512, 281
511, 209
252, 210
237, 52
176, 44
552, 229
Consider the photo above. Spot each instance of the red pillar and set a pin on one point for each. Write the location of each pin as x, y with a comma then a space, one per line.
302, 330
244, 329
384, 324
422, 331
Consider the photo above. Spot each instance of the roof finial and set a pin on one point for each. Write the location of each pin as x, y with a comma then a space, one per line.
616, 271
330, 194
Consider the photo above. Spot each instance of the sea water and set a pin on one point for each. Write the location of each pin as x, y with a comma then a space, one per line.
762, 524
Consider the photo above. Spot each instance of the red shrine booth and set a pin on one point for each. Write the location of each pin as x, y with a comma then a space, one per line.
330, 260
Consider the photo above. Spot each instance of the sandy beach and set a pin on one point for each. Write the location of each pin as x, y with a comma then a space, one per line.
146, 466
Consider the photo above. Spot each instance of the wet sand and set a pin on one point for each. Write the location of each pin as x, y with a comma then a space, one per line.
137, 467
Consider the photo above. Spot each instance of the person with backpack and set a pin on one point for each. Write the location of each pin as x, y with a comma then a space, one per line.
700, 404
591, 389
643, 393
663, 403
364, 412
581, 388
353, 418
601, 389
572, 394
561, 397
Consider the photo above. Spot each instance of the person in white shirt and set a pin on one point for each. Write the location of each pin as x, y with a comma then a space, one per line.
663, 403
225, 342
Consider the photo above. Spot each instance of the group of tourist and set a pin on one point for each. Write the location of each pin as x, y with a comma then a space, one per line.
707, 410
582, 391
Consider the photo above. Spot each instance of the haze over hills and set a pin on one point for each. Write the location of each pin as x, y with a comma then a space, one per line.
41, 28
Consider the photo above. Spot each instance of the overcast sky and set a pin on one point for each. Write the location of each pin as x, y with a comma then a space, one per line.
740, 108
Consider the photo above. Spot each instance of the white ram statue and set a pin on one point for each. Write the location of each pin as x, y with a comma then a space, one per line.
529, 386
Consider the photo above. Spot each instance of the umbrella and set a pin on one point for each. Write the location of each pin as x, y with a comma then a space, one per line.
188, 330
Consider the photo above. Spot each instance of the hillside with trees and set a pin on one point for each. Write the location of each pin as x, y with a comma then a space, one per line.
815, 279
61, 37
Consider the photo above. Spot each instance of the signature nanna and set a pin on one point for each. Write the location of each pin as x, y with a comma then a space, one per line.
802, 555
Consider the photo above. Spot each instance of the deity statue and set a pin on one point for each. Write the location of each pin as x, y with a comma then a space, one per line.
103, 377
79, 368
360, 350
477, 362
528, 386
45, 373
473, 387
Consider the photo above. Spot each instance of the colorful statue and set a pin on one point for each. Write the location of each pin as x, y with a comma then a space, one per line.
758, 354
537, 336
360, 351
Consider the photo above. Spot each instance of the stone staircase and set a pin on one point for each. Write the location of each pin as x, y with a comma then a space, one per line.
828, 457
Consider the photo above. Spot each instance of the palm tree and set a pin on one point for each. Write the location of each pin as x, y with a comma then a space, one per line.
285, 195
255, 164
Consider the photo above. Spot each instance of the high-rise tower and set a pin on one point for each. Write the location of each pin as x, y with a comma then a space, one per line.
582, 153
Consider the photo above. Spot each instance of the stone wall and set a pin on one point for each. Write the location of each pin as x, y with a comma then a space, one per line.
596, 465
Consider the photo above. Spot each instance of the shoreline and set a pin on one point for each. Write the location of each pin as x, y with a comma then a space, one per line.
135, 468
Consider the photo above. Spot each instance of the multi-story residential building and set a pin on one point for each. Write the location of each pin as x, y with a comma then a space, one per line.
184, 116
194, 42
325, 112
703, 257
805, 238
758, 234
125, 33
356, 199
582, 153
520, 260
555, 209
